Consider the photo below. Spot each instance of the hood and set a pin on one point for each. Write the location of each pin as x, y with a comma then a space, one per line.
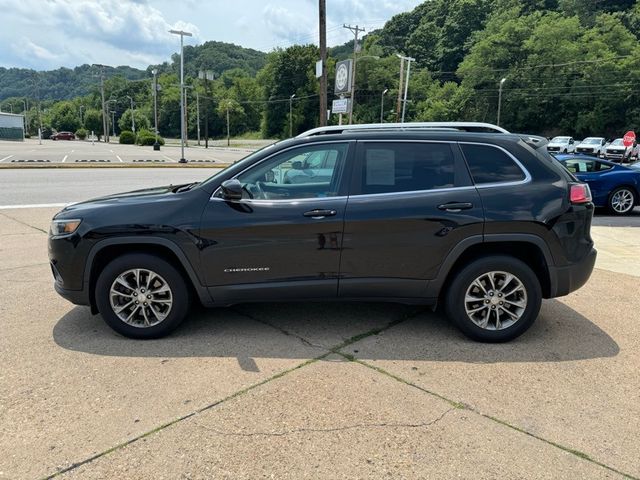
147, 195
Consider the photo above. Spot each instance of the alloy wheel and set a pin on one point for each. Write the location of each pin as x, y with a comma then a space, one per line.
495, 300
141, 298
622, 201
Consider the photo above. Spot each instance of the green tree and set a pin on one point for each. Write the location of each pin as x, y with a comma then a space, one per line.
65, 117
93, 122
141, 120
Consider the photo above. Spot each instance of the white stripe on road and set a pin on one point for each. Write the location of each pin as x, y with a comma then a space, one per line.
168, 158
35, 205
118, 157
65, 158
6, 158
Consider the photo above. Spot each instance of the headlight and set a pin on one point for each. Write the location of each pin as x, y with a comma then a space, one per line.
64, 227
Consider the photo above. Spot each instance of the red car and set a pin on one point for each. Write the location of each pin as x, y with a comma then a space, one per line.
63, 136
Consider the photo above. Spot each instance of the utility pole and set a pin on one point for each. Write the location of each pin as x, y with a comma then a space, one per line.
182, 35
113, 122
105, 118
323, 59
81, 108
206, 76
133, 120
356, 30
399, 106
26, 121
186, 117
406, 83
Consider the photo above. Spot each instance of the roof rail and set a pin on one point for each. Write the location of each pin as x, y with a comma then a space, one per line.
466, 126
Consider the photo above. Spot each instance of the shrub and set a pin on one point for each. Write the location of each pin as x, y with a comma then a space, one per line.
127, 137
145, 137
81, 133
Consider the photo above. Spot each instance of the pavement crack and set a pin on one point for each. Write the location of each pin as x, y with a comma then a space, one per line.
24, 223
282, 330
183, 418
463, 406
328, 429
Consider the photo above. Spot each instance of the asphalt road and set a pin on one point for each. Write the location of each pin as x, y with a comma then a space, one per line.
78, 152
54, 186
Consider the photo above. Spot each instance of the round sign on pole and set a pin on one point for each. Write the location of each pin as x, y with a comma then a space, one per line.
629, 138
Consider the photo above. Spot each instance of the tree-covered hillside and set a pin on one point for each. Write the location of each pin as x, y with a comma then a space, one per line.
570, 66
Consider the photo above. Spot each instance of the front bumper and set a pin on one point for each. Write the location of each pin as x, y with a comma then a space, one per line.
565, 280
78, 297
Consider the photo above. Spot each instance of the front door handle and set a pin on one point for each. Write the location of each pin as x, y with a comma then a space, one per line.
317, 213
455, 206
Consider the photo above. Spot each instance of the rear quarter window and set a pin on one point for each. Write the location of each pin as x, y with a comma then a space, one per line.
489, 164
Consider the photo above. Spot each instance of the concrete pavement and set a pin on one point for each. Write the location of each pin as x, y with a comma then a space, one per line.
316, 391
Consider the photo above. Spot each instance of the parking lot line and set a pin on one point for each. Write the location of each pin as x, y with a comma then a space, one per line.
168, 158
6, 158
65, 158
34, 205
118, 157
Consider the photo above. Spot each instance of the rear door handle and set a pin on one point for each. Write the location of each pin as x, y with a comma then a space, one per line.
317, 213
455, 206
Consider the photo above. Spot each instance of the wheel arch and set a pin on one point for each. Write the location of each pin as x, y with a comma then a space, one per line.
105, 251
527, 248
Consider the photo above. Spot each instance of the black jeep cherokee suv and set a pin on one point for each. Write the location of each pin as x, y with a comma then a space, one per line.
488, 224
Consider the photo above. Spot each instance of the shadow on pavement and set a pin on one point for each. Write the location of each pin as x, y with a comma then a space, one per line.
603, 218
560, 334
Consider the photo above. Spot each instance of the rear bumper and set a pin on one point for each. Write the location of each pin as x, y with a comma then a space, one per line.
565, 280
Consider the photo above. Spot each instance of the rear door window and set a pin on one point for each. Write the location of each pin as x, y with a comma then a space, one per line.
489, 164
388, 167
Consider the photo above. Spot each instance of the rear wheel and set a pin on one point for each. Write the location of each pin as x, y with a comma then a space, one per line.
622, 200
142, 296
494, 299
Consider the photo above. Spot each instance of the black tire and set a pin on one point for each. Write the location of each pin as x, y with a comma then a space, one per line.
456, 292
173, 278
626, 191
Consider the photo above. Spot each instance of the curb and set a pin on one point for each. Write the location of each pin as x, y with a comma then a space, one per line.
35, 166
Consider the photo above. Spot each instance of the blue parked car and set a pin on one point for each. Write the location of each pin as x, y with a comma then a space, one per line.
612, 185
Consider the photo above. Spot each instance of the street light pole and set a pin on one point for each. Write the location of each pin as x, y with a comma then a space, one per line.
291, 115
156, 146
198, 114
113, 122
24, 110
133, 120
182, 35
382, 105
500, 99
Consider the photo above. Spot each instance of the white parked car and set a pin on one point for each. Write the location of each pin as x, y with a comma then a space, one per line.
617, 152
561, 145
592, 146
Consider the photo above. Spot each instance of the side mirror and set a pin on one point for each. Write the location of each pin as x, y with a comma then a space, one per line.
231, 189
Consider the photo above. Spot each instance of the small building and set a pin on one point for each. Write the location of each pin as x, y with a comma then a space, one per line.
11, 127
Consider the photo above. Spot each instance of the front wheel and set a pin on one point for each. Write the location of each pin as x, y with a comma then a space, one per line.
142, 296
622, 200
494, 299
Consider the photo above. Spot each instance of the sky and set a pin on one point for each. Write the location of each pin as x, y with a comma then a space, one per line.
48, 34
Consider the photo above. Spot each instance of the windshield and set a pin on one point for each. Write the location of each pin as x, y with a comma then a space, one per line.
246, 159
617, 142
592, 140
560, 139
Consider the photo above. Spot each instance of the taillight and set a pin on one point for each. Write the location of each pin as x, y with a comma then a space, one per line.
580, 193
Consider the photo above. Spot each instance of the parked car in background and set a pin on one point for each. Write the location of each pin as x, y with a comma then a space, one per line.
63, 136
617, 152
561, 145
592, 146
613, 186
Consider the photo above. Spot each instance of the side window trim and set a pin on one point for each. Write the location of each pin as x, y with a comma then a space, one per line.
527, 175
459, 165
345, 176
